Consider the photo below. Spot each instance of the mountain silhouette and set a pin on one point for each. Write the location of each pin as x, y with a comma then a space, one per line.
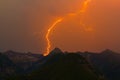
108, 62
7, 67
71, 66
23, 60
56, 51
59, 65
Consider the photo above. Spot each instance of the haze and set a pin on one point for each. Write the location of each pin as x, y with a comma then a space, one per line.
23, 25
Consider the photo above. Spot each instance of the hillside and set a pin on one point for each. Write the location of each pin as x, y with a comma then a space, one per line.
60, 65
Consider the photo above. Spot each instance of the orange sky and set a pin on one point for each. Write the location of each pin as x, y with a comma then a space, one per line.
26, 22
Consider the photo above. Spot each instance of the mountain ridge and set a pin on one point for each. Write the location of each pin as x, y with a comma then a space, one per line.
106, 64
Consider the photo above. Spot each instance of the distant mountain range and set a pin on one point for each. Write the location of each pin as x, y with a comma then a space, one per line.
23, 60
7, 67
108, 62
60, 65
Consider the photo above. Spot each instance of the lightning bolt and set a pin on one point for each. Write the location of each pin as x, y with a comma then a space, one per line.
81, 11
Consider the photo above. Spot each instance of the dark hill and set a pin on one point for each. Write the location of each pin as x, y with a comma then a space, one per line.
23, 60
108, 62
60, 65
65, 67
7, 67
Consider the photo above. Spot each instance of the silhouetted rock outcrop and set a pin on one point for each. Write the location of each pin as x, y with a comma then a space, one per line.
56, 51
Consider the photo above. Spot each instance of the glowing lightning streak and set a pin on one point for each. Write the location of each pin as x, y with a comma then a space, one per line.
47, 35
84, 7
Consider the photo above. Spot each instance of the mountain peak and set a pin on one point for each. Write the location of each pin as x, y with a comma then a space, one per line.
108, 51
56, 51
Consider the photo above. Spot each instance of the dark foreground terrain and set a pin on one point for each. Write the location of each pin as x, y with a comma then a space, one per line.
60, 65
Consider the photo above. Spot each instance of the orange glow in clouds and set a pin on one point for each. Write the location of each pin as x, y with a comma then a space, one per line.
81, 11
